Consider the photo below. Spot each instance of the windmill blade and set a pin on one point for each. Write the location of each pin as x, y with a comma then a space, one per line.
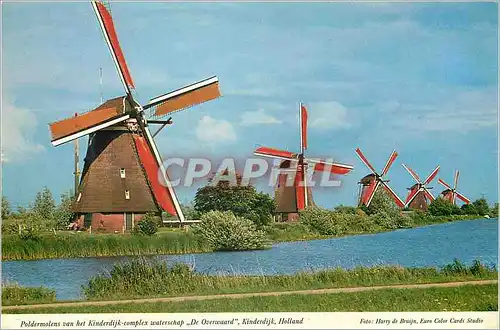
462, 197
456, 180
185, 97
432, 175
391, 160
324, 166
444, 184
303, 128
107, 114
365, 161
274, 153
151, 160
429, 195
300, 190
367, 199
412, 173
108, 29
411, 196
396, 198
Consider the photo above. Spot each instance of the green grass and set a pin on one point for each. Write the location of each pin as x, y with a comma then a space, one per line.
14, 294
465, 298
84, 245
144, 278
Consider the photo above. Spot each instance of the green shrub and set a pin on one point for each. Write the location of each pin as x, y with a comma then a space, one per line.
224, 231
346, 209
441, 206
459, 268
481, 206
382, 202
146, 226
14, 294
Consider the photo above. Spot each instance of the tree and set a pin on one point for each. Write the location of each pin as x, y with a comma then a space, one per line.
382, 202
242, 200
469, 209
44, 207
481, 206
63, 214
6, 210
494, 211
441, 206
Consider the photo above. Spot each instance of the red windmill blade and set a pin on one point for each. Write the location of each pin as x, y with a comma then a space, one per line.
419, 194
451, 194
125, 114
372, 181
292, 199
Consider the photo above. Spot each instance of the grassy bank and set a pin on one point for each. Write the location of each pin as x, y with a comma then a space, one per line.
152, 278
175, 241
464, 298
353, 225
14, 294
82, 244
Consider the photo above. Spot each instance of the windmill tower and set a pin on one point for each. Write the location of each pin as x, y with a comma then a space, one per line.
123, 176
292, 198
419, 195
372, 181
451, 194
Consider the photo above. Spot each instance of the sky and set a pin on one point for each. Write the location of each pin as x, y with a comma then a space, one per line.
418, 78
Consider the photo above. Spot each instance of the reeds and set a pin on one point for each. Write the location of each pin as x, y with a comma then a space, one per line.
152, 277
14, 294
85, 245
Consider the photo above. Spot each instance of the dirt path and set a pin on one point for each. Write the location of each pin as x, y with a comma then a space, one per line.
253, 294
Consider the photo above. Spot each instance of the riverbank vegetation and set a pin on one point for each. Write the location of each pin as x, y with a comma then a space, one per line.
459, 299
144, 278
14, 294
233, 217
153, 278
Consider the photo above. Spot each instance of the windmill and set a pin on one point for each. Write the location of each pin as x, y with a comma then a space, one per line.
451, 194
372, 181
123, 175
291, 198
419, 195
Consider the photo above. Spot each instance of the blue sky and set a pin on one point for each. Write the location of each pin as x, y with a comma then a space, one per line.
418, 78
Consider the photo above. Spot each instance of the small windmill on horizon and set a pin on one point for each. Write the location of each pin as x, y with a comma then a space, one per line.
292, 198
120, 178
371, 182
451, 194
419, 195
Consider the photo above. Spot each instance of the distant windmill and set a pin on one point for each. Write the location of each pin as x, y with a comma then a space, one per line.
451, 194
296, 197
419, 195
372, 181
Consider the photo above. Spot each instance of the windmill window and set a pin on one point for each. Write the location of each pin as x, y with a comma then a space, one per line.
122, 173
127, 194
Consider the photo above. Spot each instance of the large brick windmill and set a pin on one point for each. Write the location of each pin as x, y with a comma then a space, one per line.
123, 175
371, 182
451, 194
294, 197
419, 195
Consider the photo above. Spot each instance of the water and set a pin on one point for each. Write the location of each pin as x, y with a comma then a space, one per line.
434, 245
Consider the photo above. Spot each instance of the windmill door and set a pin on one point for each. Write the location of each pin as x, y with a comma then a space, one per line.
87, 220
128, 221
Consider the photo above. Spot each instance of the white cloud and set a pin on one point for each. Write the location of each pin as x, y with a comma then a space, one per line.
328, 116
18, 127
258, 117
213, 131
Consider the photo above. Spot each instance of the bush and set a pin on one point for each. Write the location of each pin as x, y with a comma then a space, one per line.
382, 202
468, 209
326, 222
13, 294
441, 206
146, 226
494, 211
63, 214
481, 206
6, 211
224, 231
346, 209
